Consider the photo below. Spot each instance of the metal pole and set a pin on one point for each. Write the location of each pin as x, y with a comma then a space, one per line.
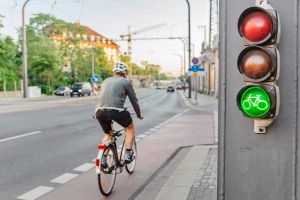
184, 49
24, 53
204, 40
189, 47
180, 63
93, 66
93, 62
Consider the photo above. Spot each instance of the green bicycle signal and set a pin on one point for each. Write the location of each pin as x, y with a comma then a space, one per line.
254, 101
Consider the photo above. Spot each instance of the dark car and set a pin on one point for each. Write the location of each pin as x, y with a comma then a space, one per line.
81, 89
62, 90
170, 88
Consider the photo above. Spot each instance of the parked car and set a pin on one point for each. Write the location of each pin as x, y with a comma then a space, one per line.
62, 90
170, 88
81, 89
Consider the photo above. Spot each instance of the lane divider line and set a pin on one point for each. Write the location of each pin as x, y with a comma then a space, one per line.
85, 167
36, 193
64, 178
20, 136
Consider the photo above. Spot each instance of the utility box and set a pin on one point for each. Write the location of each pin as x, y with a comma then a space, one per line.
34, 91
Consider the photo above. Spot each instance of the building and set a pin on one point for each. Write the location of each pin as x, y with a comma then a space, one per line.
88, 39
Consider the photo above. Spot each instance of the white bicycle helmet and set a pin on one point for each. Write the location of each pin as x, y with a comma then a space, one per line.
120, 67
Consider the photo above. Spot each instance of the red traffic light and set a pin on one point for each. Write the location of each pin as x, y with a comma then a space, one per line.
258, 26
258, 64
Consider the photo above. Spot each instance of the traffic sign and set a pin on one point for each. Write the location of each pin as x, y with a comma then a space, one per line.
194, 68
95, 78
195, 61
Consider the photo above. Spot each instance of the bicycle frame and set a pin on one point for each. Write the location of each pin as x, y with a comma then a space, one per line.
114, 161
111, 142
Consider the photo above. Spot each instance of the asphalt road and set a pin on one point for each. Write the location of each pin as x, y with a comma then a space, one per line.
43, 139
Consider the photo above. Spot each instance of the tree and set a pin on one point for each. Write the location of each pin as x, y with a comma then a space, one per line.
45, 61
9, 65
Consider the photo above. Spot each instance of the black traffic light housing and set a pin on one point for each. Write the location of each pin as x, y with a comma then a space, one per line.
252, 19
259, 63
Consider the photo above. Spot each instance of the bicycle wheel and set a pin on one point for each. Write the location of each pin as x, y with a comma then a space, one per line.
107, 176
130, 166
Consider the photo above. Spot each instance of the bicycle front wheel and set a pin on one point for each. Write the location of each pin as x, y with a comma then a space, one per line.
107, 176
130, 166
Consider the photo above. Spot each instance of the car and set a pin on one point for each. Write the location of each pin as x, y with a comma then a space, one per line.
179, 86
170, 88
81, 89
62, 91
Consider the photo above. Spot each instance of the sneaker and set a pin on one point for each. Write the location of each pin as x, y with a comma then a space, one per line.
103, 162
129, 157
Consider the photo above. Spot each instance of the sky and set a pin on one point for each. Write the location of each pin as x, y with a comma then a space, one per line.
154, 21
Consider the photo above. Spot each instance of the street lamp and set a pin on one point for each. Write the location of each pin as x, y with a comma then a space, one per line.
189, 48
204, 40
24, 53
180, 63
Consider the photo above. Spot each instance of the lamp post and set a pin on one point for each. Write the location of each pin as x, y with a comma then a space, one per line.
184, 51
180, 63
24, 53
189, 47
204, 40
93, 66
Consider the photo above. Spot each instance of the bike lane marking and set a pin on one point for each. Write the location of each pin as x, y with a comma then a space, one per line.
64, 178
36, 193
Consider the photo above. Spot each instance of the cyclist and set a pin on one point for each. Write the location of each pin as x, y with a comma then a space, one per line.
110, 106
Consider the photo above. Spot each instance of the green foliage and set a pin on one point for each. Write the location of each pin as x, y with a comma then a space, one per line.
45, 61
9, 68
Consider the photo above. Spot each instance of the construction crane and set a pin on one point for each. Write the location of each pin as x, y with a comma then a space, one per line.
135, 32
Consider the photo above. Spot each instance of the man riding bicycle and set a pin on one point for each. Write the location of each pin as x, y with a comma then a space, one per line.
110, 106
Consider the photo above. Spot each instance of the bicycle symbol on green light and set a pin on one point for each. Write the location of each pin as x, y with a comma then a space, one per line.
255, 101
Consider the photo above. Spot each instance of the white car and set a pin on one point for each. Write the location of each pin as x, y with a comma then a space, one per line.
62, 90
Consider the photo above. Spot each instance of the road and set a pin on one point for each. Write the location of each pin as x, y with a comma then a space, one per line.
41, 140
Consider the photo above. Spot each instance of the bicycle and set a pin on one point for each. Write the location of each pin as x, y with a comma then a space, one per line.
115, 160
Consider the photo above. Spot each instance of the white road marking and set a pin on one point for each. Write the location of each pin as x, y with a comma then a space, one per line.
142, 136
20, 136
64, 178
36, 193
85, 167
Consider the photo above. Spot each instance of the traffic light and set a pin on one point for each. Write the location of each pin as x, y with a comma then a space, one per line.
259, 64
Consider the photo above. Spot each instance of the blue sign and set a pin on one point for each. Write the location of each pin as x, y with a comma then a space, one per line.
201, 69
95, 78
194, 68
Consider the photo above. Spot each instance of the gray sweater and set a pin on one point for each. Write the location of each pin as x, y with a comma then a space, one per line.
114, 91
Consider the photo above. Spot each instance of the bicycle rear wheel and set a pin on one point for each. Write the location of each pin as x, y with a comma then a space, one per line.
107, 176
131, 166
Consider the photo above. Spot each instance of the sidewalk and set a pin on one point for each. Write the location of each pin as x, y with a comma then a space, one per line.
192, 172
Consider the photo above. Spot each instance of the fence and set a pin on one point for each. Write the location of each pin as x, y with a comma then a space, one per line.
10, 89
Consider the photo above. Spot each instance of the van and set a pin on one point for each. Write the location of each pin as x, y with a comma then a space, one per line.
81, 89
